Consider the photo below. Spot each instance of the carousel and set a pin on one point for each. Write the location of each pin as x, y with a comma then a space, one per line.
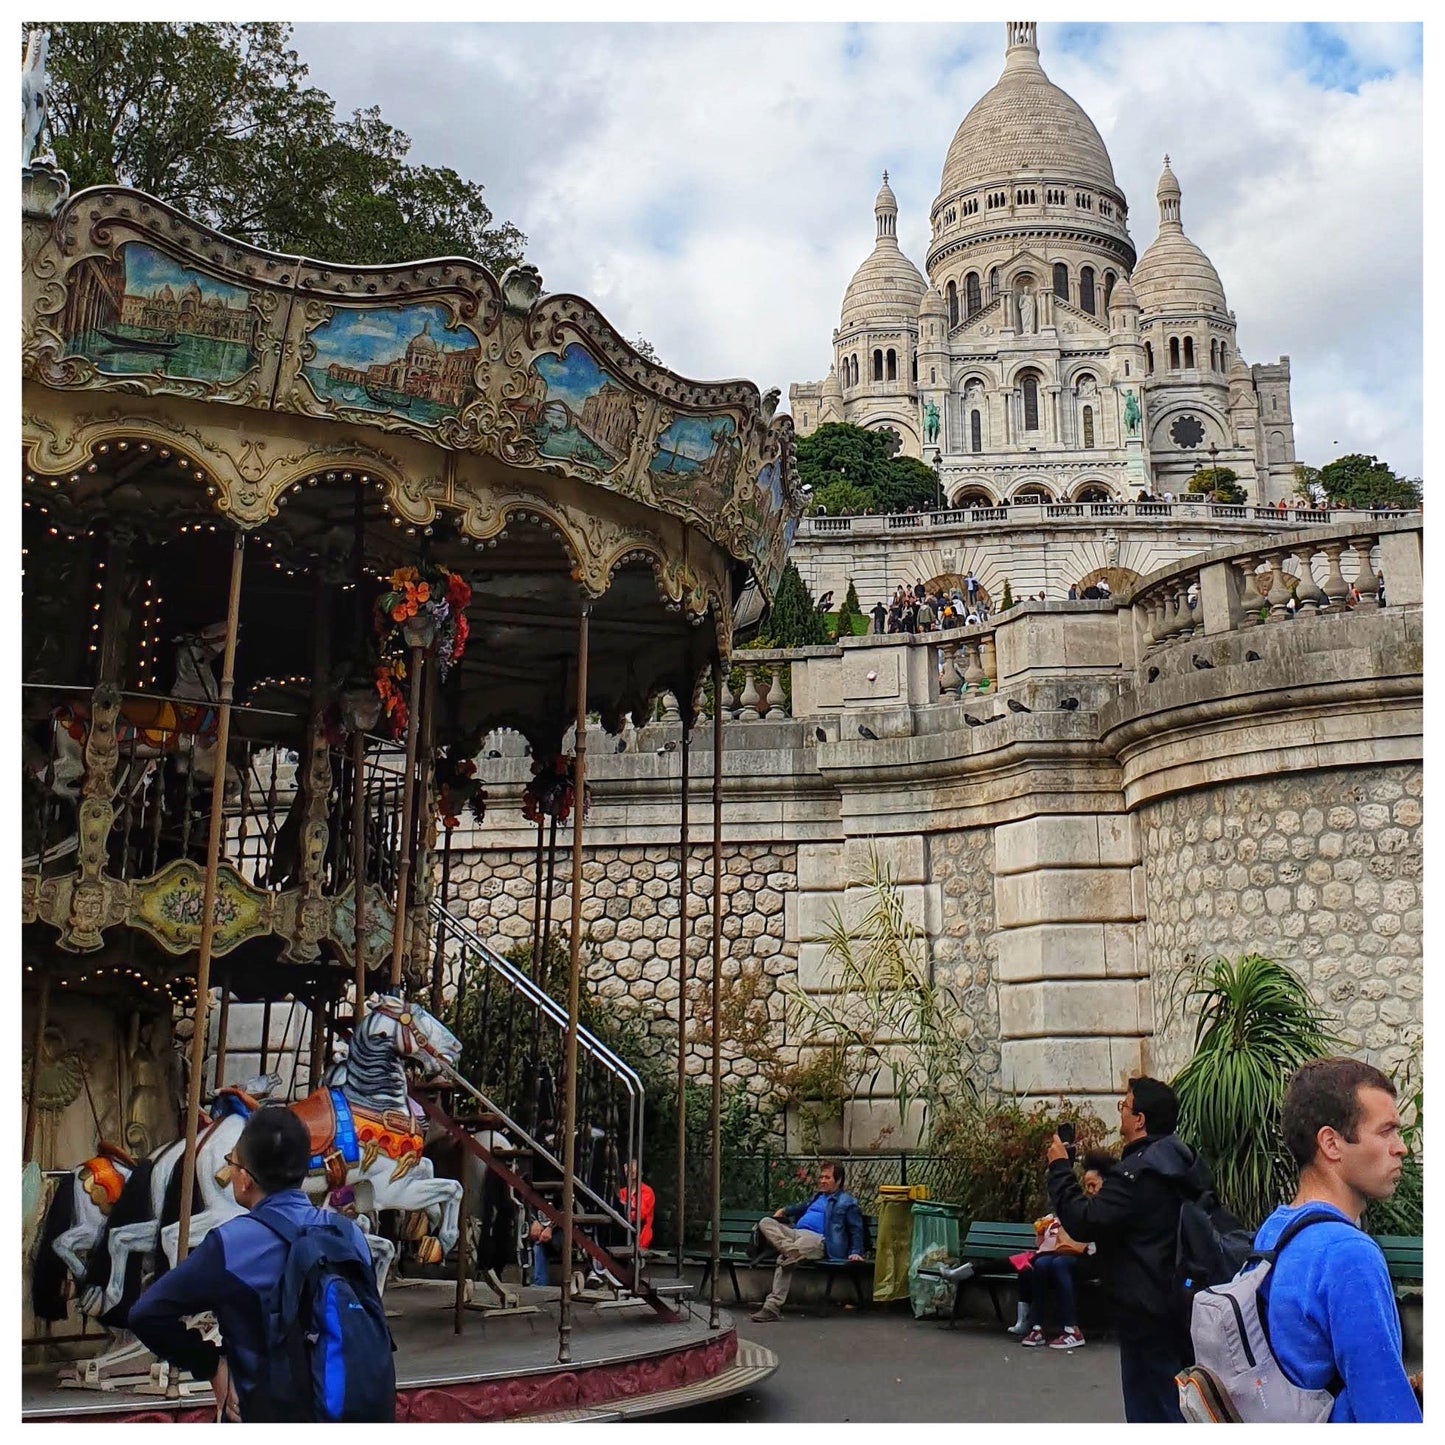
298, 537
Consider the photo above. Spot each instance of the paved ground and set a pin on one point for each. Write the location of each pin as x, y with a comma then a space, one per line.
885, 1366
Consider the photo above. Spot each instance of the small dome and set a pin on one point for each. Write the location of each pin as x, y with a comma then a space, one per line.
1122, 295
887, 287
831, 386
1025, 124
933, 304
422, 340
1174, 274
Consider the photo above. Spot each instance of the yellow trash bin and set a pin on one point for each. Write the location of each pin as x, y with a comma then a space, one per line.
895, 1238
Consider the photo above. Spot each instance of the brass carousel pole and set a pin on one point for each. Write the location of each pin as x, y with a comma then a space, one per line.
408, 797
208, 895
687, 718
42, 1018
537, 906
717, 942
223, 1019
574, 971
358, 864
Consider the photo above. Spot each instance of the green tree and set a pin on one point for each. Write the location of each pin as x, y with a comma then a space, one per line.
218, 121
1307, 484
1220, 484
1007, 600
1360, 481
794, 621
839, 454
1256, 1025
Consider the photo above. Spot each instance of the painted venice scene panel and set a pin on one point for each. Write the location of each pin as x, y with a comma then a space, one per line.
407, 361
695, 460
143, 313
584, 414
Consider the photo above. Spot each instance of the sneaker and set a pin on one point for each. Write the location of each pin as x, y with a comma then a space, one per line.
957, 1273
1035, 1339
1071, 1339
767, 1315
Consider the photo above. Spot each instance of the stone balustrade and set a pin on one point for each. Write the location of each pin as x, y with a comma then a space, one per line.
1032, 515
1346, 567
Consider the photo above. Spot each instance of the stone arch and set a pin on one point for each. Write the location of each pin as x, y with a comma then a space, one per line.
1216, 428
1093, 489
973, 494
1032, 489
1120, 580
946, 582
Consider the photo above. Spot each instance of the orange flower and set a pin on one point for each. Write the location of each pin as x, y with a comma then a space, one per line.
399, 612
423, 591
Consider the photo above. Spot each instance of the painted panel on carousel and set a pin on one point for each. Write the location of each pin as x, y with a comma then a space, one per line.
761, 507
695, 461
406, 361
168, 907
583, 414
143, 314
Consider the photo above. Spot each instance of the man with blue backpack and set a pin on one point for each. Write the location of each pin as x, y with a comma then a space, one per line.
293, 1290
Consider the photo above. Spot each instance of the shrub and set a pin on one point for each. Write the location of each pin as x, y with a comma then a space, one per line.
995, 1153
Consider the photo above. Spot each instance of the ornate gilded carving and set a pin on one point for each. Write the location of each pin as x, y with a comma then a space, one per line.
168, 906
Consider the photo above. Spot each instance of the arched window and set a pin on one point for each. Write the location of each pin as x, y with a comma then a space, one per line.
932, 374
915, 368
1088, 426
952, 304
975, 431
974, 298
1086, 290
993, 284
1148, 358
1109, 279
1173, 353
892, 364
1213, 354
1061, 281
1030, 385
878, 364
1189, 353
1223, 361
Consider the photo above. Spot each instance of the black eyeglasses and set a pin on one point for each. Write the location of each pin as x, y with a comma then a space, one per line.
235, 1163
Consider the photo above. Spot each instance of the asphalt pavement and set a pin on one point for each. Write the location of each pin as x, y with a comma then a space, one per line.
883, 1366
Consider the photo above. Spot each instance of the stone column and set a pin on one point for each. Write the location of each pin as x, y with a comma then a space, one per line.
1074, 996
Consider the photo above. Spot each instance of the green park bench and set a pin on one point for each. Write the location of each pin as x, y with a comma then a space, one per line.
1405, 1258
738, 1245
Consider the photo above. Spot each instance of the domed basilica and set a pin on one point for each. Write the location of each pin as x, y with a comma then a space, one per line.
1041, 358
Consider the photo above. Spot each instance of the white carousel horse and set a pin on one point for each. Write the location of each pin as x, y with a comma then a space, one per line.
148, 729
34, 93
362, 1131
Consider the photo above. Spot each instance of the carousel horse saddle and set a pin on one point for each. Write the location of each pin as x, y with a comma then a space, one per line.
342, 1133
231, 1100
102, 1181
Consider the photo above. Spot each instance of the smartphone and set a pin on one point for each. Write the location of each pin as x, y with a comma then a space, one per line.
1066, 1137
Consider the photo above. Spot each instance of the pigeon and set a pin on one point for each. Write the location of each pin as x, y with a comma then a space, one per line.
1153, 675
493, 753
1251, 657
1202, 663
621, 746
867, 732
972, 721
669, 747
1070, 704
1014, 705
820, 735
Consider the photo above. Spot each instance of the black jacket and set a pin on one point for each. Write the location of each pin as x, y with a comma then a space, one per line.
1134, 1219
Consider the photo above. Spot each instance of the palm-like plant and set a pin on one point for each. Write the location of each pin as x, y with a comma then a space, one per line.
1257, 1024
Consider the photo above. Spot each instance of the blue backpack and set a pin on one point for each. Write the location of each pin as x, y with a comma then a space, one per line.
328, 1347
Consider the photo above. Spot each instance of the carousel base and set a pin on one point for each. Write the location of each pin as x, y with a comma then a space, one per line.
626, 1363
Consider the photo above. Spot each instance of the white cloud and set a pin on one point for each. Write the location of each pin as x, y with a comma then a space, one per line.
711, 186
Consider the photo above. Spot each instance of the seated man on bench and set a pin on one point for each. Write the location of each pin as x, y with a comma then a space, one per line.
828, 1226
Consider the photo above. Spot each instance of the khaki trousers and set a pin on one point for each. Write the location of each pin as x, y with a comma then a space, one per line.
793, 1246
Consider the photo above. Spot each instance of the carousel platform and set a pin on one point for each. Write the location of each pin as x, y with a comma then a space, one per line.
626, 1363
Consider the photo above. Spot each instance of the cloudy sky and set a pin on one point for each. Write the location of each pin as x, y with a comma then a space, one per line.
710, 187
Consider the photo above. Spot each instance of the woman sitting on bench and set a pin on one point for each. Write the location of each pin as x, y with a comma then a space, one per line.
1047, 1314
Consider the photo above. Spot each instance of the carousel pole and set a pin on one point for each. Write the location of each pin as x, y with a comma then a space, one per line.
42, 1018
318, 1042
436, 967
208, 896
408, 797
537, 906
358, 866
223, 1018
574, 972
717, 942
682, 920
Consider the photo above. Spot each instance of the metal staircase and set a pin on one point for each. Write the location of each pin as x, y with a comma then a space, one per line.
523, 1036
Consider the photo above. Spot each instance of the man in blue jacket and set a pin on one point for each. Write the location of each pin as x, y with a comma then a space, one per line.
1331, 1313
235, 1270
828, 1226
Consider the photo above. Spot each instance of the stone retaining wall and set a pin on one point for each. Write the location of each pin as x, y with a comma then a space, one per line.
1319, 870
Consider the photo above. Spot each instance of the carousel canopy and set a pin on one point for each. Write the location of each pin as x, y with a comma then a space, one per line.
178, 383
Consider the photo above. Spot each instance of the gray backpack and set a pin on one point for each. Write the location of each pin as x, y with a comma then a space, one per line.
1236, 1378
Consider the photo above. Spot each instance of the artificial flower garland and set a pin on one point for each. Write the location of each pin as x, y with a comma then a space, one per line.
429, 593
552, 792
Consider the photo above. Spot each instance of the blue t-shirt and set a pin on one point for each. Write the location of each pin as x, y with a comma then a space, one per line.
815, 1216
1332, 1308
